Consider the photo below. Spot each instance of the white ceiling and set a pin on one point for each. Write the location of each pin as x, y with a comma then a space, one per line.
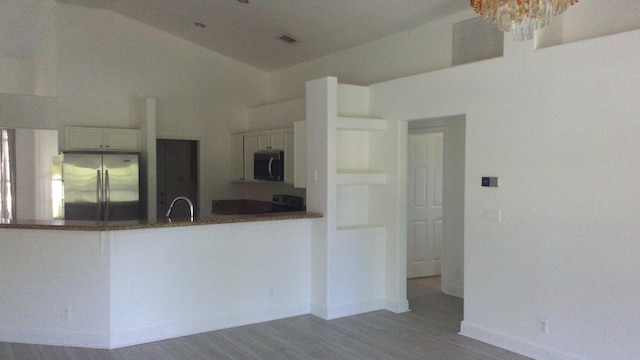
249, 32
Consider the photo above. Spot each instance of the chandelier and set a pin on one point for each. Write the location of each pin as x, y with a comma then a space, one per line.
520, 17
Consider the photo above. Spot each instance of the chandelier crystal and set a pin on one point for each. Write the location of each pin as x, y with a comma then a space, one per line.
520, 17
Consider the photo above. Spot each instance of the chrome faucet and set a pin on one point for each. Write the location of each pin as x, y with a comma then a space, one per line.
168, 215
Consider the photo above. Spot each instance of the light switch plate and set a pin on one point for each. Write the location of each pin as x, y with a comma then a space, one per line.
490, 181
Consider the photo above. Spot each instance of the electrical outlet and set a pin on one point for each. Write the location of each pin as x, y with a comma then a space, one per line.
543, 326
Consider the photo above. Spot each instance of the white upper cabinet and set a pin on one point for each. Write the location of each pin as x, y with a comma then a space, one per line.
102, 139
271, 140
244, 145
250, 147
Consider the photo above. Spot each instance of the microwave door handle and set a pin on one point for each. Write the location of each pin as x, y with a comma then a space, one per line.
269, 167
99, 194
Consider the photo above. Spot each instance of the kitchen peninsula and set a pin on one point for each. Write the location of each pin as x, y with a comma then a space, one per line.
113, 284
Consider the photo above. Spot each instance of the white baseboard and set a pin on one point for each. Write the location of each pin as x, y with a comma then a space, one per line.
397, 306
319, 311
141, 336
456, 291
354, 308
512, 344
161, 332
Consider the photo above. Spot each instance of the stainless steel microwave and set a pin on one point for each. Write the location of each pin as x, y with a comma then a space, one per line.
268, 165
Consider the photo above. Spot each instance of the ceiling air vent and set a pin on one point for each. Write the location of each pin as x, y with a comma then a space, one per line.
287, 39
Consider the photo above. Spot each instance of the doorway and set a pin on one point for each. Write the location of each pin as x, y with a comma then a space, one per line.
448, 200
177, 175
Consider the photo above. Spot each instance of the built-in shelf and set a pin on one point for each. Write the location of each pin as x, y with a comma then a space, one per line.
360, 177
361, 123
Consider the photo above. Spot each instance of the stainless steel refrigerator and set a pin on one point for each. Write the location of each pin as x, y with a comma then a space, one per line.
101, 186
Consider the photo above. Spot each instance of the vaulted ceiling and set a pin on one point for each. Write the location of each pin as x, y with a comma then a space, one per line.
250, 31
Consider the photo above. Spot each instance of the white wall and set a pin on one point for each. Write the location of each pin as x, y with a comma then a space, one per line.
429, 47
173, 282
425, 48
589, 19
107, 64
55, 288
27, 47
562, 137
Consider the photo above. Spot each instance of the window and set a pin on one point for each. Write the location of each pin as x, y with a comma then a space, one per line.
7, 174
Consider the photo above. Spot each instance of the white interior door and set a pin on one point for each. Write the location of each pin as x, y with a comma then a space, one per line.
425, 222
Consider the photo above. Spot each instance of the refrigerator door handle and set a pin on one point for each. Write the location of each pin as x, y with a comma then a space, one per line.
99, 194
107, 191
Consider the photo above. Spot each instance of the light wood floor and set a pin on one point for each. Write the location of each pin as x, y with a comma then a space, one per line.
428, 332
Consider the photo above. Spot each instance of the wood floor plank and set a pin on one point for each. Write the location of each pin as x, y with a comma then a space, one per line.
250, 341
6, 352
26, 352
77, 353
333, 336
179, 350
155, 351
213, 346
302, 342
129, 353
52, 352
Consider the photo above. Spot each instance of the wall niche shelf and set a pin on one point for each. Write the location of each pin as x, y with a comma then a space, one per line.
355, 160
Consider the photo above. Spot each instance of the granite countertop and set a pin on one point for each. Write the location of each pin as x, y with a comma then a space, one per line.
145, 224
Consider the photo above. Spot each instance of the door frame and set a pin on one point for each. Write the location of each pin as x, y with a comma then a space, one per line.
199, 146
420, 131
453, 245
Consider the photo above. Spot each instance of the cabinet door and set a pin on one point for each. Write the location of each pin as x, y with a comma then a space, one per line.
277, 139
237, 157
250, 147
271, 140
264, 140
81, 138
289, 156
122, 139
